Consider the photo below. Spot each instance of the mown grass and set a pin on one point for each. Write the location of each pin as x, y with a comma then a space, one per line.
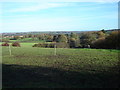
70, 68
27, 40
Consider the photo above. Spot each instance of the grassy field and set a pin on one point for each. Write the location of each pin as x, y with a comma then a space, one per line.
31, 67
27, 40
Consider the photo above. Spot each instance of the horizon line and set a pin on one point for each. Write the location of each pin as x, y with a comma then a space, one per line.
59, 31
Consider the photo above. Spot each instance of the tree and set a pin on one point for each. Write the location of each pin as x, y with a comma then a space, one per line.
74, 35
26, 36
29, 35
74, 43
113, 40
87, 39
74, 40
55, 38
16, 44
5, 44
62, 38
16, 37
101, 34
103, 30
41, 37
110, 42
99, 43
49, 38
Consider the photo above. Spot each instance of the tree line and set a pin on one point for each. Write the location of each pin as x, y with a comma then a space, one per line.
95, 39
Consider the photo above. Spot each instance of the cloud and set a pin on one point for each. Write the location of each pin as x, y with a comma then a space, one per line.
39, 6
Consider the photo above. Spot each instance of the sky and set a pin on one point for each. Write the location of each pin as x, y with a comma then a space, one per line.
58, 16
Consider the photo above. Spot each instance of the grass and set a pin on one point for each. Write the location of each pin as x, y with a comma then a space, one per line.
27, 40
30, 67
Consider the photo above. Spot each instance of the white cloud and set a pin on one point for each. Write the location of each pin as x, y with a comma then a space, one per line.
39, 6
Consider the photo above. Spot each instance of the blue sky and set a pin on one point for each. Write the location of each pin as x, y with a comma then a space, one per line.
58, 16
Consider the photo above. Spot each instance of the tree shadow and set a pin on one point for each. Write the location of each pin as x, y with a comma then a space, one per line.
21, 76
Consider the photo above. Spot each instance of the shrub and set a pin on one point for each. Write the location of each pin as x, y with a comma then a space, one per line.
16, 44
110, 42
99, 44
13, 39
74, 43
62, 45
35, 45
51, 45
5, 44
45, 45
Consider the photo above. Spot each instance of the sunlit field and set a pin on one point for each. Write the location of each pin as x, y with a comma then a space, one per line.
30, 67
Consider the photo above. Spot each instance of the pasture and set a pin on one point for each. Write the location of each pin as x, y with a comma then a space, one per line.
33, 67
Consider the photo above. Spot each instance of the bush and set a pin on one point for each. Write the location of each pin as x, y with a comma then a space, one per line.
40, 45
16, 44
74, 43
35, 45
110, 42
99, 44
5, 44
51, 45
13, 39
62, 45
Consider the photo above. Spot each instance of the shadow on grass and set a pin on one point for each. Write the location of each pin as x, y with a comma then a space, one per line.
18, 76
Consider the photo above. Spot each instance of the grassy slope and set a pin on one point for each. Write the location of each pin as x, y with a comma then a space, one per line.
27, 40
38, 67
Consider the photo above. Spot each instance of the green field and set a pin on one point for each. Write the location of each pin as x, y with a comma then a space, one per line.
27, 40
31, 67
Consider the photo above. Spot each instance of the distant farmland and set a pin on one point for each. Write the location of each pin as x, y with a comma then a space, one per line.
31, 67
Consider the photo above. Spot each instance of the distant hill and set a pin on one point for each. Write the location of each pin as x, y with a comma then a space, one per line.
49, 32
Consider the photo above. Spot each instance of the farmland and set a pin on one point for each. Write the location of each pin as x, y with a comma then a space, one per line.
64, 44
31, 67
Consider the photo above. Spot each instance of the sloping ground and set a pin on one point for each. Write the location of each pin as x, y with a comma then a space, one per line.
30, 67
